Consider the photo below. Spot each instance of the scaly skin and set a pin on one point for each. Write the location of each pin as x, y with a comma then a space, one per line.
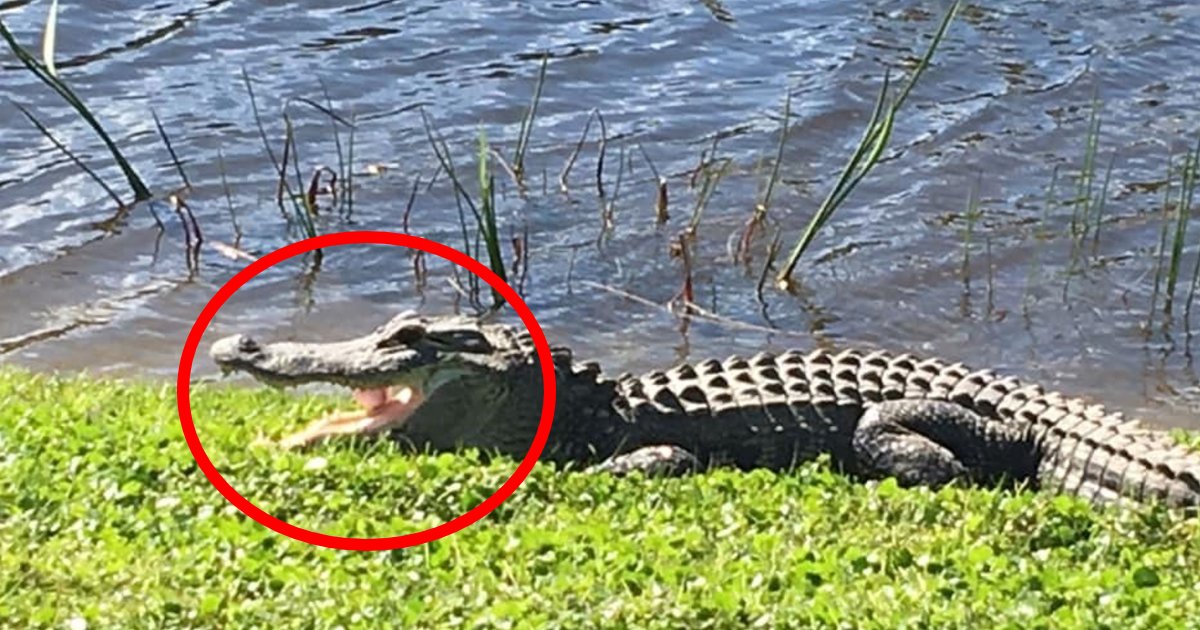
456, 383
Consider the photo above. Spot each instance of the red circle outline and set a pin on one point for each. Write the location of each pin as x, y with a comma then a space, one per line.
186, 359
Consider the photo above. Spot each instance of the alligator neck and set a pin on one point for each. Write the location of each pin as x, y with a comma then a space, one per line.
587, 427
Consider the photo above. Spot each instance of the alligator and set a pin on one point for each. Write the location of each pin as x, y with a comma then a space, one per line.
449, 382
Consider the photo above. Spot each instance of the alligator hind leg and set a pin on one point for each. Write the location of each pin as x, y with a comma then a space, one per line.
933, 443
653, 461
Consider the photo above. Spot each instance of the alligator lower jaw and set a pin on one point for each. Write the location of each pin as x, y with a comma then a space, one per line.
383, 409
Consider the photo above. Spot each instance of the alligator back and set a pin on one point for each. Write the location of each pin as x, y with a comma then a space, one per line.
777, 410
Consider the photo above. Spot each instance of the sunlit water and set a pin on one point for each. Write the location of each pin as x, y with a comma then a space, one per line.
1003, 113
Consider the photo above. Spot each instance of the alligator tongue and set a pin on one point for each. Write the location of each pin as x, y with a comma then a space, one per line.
382, 410
372, 398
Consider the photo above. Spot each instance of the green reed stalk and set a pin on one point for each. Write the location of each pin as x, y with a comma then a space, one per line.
866, 155
487, 224
1162, 246
1184, 201
527, 125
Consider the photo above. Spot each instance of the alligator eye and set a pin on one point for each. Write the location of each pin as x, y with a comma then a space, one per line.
247, 345
404, 337
471, 341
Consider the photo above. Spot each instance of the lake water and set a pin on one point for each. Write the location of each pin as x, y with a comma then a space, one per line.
1003, 115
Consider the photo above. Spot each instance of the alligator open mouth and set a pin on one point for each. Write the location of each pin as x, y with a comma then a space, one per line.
383, 409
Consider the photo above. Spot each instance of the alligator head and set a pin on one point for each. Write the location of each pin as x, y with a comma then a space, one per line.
442, 382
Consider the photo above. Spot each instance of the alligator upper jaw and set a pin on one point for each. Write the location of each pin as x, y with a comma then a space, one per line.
356, 364
383, 410
390, 383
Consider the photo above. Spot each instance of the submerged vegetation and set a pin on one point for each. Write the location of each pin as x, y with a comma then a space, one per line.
308, 201
300, 203
110, 523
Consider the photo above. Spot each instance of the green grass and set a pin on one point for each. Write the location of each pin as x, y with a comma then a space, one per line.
104, 517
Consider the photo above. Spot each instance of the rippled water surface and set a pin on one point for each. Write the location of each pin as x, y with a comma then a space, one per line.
1003, 114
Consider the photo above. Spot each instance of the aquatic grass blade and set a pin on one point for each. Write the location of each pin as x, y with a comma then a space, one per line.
1187, 196
162, 133
491, 236
783, 280
1190, 164
1162, 247
526, 130
70, 155
140, 191
49, 35
866, 155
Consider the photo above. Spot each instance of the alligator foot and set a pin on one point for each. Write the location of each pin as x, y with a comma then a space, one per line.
653, 461
933, 443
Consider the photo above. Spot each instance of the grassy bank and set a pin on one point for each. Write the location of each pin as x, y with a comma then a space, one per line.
104, 518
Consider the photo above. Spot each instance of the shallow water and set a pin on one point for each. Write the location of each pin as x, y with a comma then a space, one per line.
1003, 113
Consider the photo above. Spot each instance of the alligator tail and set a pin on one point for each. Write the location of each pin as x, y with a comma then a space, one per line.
1106, 458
